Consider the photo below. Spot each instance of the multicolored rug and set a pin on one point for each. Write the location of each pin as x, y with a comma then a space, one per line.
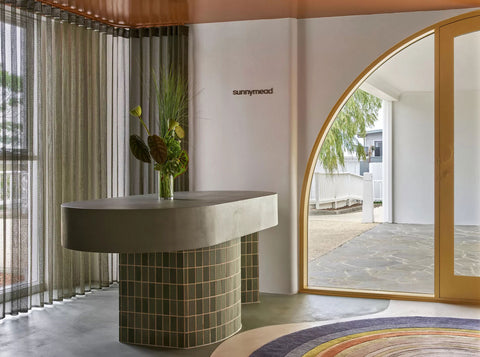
393, 336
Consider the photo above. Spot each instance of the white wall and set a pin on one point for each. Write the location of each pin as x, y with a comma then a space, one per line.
467, 158
251, 142
413, 158
371, 138
247, 142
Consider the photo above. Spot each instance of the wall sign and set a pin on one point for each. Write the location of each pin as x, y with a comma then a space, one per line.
251, 92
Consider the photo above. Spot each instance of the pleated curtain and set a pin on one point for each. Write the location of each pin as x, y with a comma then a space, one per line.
66, 87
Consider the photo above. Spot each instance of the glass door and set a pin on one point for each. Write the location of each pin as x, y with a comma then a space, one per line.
458, 168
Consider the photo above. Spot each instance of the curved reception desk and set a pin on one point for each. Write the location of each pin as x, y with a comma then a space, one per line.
186, 265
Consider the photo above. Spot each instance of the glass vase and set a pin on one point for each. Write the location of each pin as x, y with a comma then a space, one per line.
165, 186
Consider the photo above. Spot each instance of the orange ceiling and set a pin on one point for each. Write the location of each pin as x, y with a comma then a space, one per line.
144, 13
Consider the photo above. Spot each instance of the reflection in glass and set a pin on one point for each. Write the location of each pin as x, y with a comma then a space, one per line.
390, 245
467, 154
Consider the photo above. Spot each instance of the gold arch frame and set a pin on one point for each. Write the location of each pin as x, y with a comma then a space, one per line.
307, 180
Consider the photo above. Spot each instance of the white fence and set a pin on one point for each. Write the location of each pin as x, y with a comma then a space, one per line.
377, 190
335, 190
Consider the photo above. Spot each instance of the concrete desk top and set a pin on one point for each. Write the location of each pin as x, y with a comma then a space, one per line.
145, 224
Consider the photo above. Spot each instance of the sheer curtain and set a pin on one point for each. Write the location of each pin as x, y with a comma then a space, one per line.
66, 86
64, 122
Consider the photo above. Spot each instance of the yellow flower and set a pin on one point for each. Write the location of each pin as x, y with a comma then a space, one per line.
136, 112
179, 131
175, 125
172, 124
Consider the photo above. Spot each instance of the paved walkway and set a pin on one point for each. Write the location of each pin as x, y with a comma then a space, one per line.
327, 232
393, 257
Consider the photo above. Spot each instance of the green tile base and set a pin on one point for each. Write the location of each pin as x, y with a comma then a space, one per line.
181, 299
250, 292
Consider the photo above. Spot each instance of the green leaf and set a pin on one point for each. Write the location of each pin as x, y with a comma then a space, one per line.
139, 149
158, 148
183, 163
358, 114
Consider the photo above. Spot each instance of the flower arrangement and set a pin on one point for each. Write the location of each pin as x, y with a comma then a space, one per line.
164, 150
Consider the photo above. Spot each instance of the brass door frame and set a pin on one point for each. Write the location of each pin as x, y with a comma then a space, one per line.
304, 198
451, 286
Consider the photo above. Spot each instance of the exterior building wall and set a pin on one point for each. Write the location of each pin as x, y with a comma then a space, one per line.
413, 159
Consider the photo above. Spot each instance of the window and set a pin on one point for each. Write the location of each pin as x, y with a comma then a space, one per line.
378, 148
16, 165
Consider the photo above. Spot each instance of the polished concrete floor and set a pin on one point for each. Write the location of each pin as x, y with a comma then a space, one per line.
393, 257
88, 325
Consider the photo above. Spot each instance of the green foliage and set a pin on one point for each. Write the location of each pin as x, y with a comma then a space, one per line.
165, 149
172, 98
11, 82
11, 90
177, 159
359, 113
139, 149
11, 87
12, 130
158, 148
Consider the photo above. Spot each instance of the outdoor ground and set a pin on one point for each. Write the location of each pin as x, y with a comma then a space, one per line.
344, 253
327, 232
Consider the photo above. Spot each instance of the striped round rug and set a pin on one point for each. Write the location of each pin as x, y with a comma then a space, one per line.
395, 336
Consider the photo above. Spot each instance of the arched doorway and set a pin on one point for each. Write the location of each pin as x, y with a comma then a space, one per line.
441, 236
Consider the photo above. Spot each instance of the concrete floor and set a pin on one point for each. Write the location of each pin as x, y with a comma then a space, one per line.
88, 325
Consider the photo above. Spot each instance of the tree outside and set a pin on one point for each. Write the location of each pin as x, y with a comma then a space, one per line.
11, 90
359, 113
